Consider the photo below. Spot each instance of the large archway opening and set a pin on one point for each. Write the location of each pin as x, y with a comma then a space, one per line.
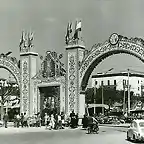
98, 60
113, 95
131, 47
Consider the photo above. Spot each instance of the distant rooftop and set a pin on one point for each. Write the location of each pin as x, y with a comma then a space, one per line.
118, 74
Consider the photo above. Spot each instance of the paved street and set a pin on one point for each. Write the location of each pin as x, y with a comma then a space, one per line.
107, 135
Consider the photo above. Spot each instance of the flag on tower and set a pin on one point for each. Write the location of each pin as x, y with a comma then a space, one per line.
77, 29
22, 39
69, 31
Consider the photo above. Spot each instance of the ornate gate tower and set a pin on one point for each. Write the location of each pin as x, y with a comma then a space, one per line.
28, 67
75, 100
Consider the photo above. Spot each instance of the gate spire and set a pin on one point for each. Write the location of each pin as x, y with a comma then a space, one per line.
75, 53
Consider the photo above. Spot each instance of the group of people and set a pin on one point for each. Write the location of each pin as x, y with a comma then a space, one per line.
54, 121
74, 120
51, 121
26, 121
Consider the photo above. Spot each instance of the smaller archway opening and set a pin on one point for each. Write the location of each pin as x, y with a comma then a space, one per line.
49, 100
9, 94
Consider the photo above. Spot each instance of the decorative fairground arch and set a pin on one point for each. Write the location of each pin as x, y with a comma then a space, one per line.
11, 64
38, 72
81, 63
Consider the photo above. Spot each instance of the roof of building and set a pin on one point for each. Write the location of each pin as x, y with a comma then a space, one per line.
118, 74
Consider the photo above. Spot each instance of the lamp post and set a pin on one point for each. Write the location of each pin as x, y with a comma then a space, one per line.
128, 94
103, 89
124, 86
94, 97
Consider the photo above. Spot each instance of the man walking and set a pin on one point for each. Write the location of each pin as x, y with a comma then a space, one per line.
5, 120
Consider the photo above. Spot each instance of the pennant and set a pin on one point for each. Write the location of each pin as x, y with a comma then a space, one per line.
78, 26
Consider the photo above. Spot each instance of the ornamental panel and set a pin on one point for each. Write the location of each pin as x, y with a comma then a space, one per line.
72, 81
25, 86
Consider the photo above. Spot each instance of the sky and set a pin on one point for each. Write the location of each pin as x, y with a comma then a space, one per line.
48, 20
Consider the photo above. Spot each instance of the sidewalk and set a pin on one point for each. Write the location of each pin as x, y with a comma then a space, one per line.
114, 125
13, 130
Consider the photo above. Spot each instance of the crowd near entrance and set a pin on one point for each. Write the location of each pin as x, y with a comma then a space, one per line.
49, 100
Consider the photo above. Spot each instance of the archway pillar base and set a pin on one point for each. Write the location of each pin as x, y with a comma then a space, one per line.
81, 104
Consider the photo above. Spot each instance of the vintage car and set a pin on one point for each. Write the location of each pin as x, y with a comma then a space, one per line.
136, 130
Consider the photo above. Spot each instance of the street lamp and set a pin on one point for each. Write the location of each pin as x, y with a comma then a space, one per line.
102, 88
128, 93
95, 96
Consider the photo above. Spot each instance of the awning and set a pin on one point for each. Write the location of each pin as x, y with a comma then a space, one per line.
97, 105
116, 104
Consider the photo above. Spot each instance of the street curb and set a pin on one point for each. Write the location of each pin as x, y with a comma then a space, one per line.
114, 125
12, 130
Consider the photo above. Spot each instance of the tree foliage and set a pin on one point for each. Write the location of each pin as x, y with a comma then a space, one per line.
111, 95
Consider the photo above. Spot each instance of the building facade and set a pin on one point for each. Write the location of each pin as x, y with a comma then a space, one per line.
136, 81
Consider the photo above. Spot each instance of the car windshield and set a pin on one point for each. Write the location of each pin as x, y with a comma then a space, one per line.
141, 124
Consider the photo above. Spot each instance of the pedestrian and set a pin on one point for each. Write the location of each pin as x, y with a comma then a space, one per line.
56, 122
63, 118
18, 120
77, 120
15, 121
60, 122
85, 121
22, 120
47, 120
25, 120
5, 118
38, 120
72, 116
52, 121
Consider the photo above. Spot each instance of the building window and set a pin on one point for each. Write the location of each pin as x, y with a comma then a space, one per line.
102, 82
108, 82
138, 88
138, 81
114, 82
96, 82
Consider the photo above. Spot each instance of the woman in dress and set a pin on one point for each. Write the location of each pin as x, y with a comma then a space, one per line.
47, 120
52, 121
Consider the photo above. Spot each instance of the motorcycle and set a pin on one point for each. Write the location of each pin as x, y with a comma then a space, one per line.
93, 129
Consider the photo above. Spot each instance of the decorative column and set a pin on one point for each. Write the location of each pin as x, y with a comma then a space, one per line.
75, 53
28, 63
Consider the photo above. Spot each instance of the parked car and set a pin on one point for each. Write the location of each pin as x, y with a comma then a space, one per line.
136, 130
129, 119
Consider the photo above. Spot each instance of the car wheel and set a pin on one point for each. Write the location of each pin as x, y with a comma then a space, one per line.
128, 138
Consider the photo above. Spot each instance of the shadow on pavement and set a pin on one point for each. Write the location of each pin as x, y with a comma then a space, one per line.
134, 141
